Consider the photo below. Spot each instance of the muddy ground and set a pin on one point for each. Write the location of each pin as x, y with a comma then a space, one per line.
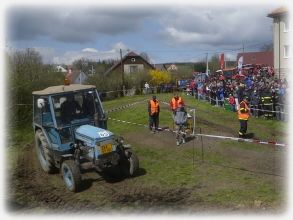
32, 191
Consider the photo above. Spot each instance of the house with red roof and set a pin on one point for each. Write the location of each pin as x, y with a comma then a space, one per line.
265, 58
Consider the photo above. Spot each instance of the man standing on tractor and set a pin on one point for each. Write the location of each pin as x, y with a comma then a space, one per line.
154, 111
243, 115
175, 102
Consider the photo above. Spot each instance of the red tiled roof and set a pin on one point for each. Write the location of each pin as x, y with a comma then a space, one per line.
266, 58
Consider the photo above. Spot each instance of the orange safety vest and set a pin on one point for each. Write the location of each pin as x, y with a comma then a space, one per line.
244, 115
174, 103
154, 106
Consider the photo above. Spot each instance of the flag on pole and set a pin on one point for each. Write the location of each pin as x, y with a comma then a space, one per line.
222, 61
68, 76
69, 72
240, 62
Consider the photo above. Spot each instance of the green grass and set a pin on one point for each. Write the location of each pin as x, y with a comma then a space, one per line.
262, 128
122, 101
223, 185
163, 169
17, 139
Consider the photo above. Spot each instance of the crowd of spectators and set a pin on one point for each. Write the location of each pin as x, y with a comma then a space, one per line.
257, 82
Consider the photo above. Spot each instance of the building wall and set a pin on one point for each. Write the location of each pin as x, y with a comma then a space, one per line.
281, 39
132, 68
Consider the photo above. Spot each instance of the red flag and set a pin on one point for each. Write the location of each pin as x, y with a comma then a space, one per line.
69, 72
222, 61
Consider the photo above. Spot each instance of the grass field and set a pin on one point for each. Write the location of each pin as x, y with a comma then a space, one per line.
204, 174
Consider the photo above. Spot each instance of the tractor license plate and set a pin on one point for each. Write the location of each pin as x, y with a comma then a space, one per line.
107, 148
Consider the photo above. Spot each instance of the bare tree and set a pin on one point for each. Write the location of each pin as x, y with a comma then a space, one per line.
214, 63
145, 56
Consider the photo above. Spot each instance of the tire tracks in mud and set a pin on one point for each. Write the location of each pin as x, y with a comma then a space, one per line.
137, 197
32, 191
35, 191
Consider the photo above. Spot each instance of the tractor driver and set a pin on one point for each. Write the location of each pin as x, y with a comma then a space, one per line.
88, 105
69, 109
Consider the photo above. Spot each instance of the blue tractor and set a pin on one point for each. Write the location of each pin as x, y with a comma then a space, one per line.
71, 135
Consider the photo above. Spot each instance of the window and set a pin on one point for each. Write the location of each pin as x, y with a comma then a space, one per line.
75, 107
133, 69
286, 26
132, 60
287, 51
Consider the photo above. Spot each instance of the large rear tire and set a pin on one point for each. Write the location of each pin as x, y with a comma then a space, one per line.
44, 155
71, 175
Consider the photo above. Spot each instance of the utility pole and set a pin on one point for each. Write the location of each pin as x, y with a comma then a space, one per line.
207, 69
122, 73
242, 47
279, 20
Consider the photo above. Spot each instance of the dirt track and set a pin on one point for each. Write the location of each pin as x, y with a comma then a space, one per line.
32, 190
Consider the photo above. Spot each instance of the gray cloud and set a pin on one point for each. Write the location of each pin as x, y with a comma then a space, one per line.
181, 25
217, 25
72, 25
199, 28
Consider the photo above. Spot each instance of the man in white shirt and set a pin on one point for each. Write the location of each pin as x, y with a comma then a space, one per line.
146, 87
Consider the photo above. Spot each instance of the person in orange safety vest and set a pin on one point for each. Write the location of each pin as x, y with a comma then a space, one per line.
154, 111
175, 102
243, 116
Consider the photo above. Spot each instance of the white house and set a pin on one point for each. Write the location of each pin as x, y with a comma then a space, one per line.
282, 47
61, 69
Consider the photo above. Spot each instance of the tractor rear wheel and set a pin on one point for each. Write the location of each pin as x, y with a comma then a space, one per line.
71, 175
43, 153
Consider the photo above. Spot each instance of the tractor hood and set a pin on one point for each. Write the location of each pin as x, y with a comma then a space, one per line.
91, 135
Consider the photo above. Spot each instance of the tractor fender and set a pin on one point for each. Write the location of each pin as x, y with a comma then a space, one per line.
46, 135
66, 157
126, 148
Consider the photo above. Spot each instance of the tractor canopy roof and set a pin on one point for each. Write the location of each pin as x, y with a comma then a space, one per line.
63, 89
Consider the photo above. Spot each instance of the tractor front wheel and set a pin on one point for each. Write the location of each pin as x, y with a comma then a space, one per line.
71, 175
132, 163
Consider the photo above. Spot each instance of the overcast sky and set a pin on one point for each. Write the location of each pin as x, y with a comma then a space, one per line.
166, 32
